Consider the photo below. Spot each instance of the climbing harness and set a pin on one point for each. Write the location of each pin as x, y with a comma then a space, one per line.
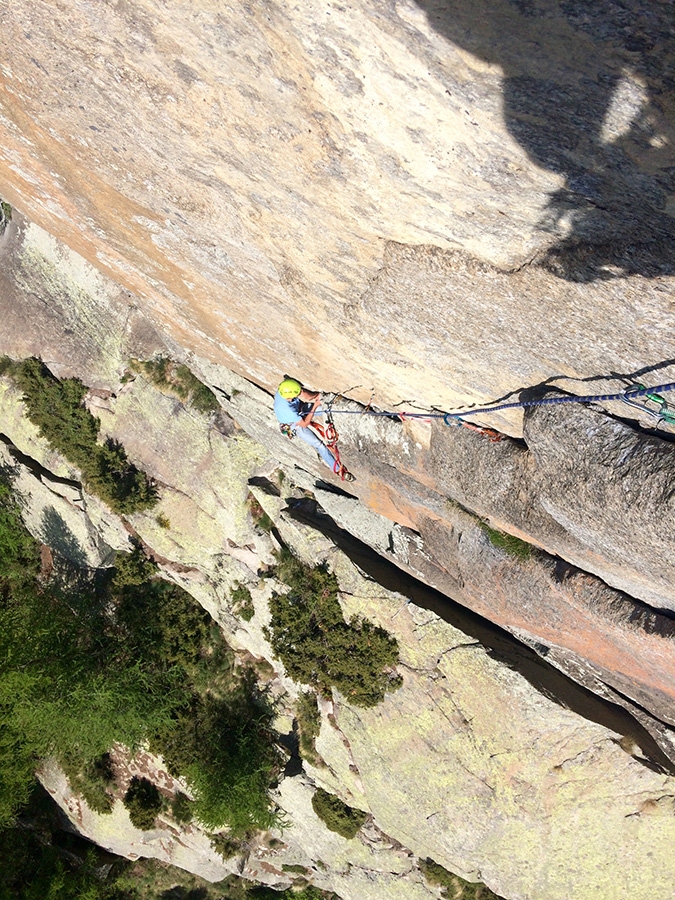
329, 435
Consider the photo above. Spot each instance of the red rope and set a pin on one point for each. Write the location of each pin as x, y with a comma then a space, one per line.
492, 435
329, 435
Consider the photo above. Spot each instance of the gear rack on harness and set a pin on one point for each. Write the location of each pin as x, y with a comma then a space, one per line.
330, 437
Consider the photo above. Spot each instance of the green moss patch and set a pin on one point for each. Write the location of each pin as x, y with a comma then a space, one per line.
242, 602
336, 815
454, 887
513, 545
175, 378
5, 215
260, 518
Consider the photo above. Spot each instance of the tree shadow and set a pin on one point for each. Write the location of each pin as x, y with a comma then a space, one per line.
182, 893
589, 87
9, 472
57, 535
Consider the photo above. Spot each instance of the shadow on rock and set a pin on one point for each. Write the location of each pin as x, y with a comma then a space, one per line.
498, 643
57, 535
589, 93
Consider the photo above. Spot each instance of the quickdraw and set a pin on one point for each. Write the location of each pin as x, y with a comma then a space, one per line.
493, 436
662, 414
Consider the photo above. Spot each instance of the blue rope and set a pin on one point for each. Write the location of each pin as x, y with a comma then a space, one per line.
454, 418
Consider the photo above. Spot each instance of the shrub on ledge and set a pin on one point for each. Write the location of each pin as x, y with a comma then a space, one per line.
177, 379
56, 407
453, 887
143, 802
309, 635
93, 779
336, 815
308, 718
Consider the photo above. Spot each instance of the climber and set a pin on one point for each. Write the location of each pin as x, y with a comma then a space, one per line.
295, 409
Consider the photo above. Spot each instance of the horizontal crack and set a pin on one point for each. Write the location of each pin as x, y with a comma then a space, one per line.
35, 467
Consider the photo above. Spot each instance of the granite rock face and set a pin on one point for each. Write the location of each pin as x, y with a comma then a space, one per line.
250, 175
468, 763
433, 204
421, 493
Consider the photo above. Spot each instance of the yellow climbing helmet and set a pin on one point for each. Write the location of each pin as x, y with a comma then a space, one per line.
289, 388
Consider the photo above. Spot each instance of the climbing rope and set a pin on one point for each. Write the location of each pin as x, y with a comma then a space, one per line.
662, 414
455, 418
329, 434
330, 437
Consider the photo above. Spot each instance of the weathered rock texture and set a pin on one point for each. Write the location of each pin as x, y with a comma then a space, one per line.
468, 762
251, 174
432, 483
441, 203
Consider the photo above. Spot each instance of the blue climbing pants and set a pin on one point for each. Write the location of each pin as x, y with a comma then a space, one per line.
312, 438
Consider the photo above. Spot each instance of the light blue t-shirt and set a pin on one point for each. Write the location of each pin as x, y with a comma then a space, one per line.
287, 411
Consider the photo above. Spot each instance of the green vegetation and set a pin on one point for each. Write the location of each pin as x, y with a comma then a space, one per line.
513, 545
306, 893
227, 846
41, 863
124, 659
133, 568
177, 379
308, 718
5, 215
163, 520
310, 636
336, 815
454, 887
260, 518
32, 870
68, 685
56, 407
181, 809
152, 880
224, 748
220, 736
92, 779
144, 803
242, 602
